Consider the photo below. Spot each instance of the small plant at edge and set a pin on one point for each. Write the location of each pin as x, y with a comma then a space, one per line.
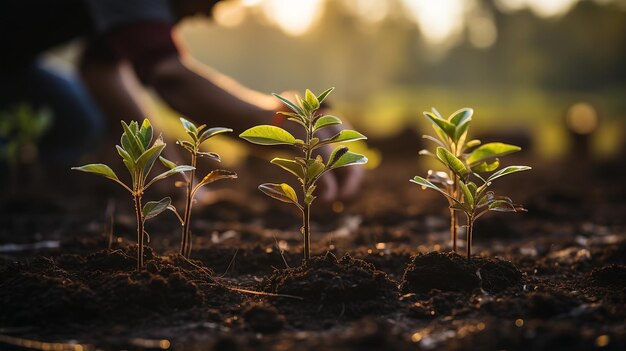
463, 168
308, 168
138, 157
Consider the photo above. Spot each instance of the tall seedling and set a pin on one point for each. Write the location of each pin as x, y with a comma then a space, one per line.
309, 167
198, 135
139, 158
463, 169
450, 134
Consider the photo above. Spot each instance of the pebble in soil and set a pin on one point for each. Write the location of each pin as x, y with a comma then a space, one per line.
447, 271
74, 288
345, 287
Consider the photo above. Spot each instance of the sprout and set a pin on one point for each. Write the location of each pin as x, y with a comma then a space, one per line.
198, 136
459, 182
309, 168
139, 157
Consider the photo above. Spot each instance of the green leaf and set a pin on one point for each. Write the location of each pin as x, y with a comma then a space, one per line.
311, 99
282, 192
447, 127
175, 170
147, 159
189, 127
167, 163
289, 104
216, 175
434, 140
486, 199
152, 208
290, 166
472, 188
491, 150
211, 132
349, 159
268, 135
99, 169
315, 167
297, 120
472, 143
459, 131
124, 154
326, 121
145, 133
451, 162
461, 116
321, 97
436, 112
130, 142
486, 167
507, 170
336, 154
344, 136
212, 155
426, 184
502, 206
467, 195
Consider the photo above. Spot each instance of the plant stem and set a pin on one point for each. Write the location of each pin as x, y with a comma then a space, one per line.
306, 211
140, 223
470, 229
306, 214
453, 229
185, 245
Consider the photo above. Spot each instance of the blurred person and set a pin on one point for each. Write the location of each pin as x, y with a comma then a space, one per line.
123, 38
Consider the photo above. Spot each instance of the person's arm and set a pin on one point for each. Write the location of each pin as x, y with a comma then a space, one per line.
114, 88
209, 97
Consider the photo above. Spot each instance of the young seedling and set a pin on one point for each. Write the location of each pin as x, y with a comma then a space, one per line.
139, 157
450, 135
198, 135
21, 128
456, 183
309, 168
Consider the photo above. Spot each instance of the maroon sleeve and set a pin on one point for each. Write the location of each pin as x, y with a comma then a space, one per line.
143, 44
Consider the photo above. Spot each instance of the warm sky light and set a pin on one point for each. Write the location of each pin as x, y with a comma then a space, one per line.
438, 20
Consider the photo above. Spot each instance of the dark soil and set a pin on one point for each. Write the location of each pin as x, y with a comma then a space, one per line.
105, 286
452, 272
329, 286
381, 278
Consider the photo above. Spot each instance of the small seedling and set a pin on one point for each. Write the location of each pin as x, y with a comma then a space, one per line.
21, 128
463, 166
198, 135
309, 168
139, 157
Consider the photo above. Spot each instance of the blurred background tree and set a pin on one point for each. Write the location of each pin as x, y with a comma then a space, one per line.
524, 63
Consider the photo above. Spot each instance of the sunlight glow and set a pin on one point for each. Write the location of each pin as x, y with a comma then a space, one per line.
293, 17
369, 10
543, 8
482, 32
437, 19
228, 13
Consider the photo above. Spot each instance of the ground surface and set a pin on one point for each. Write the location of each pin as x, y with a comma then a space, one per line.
382, 278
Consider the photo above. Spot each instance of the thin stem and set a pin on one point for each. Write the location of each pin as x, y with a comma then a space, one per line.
470, 229
453, 229
306, 214
185, 247
140, 225
306, 210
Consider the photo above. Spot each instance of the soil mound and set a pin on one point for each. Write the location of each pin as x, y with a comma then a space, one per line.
74, 288
263, 318
452, 272
345, 286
